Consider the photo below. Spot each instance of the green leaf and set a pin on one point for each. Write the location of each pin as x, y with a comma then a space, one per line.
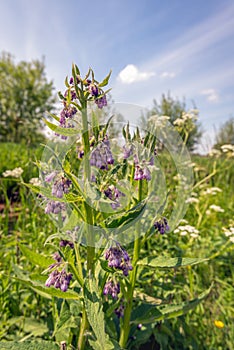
93, 305
34, 327
46, 192
61, 131
126, 217
54, 116
105, 80
61, 96
170, 262
155, 314
146, 298
36, 258
29, 345
66, 320
54, 292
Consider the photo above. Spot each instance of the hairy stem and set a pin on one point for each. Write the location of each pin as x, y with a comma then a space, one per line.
125, 329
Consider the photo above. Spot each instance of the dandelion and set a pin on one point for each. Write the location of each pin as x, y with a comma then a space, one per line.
218, 324
17, 172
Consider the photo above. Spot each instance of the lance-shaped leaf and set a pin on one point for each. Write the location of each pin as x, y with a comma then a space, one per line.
62, 131
29, 345
95, 314
105, 80
54, 292
46, 192
36, 258
170, 262
125, 218
155, 314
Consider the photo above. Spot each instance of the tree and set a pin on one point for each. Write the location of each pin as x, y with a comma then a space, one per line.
225, 134
184, 120
25, 97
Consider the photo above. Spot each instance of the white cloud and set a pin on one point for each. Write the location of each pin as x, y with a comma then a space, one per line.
167, 75
131, 74
211, 94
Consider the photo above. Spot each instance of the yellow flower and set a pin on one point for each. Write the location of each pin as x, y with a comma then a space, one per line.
219, 324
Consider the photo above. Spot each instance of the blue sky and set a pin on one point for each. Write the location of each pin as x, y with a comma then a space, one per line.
182, 46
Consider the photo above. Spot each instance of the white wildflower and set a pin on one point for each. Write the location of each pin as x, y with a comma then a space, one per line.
214, 152
194, 235
192, 200
229, 232
212, 191
17, 172
183, 230
183, 221
35, 181
216, 208
183, 233
231, 239
227, 148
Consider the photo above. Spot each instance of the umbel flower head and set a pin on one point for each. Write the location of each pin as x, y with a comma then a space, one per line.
119, 259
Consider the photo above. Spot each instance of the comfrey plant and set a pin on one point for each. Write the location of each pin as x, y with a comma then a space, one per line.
107, 200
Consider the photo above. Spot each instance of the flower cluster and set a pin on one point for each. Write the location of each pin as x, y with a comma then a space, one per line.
17, 172
119, 311
141, 174
162, 226
127, 151
102, 156
184, 230
35, 181
118, 258
141, 170
99, 97
59, 279
60, 186
65, 243
114, 194
215, 208
229, 233
54, 207
211, 191
112, 288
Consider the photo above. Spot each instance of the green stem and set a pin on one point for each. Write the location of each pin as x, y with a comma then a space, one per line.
83, 327
88, 218
125, 327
